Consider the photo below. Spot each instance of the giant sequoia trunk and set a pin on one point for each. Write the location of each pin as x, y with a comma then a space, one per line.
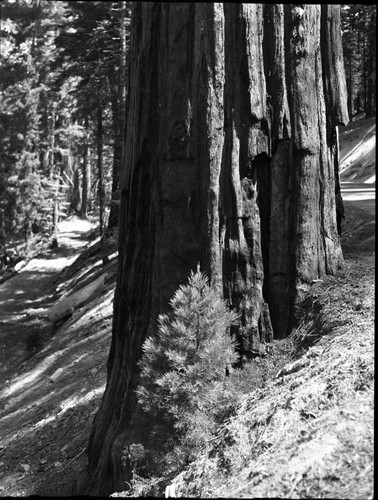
230, 162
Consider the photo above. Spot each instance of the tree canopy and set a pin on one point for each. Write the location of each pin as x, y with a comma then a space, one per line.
359, 28
59, 60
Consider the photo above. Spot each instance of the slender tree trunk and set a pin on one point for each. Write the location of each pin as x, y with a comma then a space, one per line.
51, 148
350, 93
230, 162
51, 165
118, 101
370, 101
75, 206
56, 208
364, 71
86, 186
67, 168
2, 228
100, 170
118, 106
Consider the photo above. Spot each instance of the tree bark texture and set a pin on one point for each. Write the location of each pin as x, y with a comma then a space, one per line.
230, 162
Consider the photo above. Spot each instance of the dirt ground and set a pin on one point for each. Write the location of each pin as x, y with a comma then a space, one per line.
53, 375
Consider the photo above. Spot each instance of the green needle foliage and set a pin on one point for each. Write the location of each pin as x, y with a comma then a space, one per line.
184, 368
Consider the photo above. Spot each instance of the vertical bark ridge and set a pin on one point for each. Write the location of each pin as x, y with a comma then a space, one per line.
228, 163
210, 71
335, 91
315, 241
246, 140
133, 296
280, 278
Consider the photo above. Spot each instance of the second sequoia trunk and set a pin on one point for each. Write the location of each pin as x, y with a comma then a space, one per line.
230, 162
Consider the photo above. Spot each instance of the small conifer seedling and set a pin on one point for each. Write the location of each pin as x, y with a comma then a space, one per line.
183, 369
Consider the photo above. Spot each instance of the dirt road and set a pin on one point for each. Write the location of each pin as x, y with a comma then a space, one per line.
32, 289
49, 394
359, 195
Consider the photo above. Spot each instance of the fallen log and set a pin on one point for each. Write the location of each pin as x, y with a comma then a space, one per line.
65, 306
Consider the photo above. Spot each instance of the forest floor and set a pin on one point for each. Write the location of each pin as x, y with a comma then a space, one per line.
52, 375
307, 434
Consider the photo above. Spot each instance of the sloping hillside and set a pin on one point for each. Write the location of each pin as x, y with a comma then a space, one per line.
53, 362
357, 151
309, 432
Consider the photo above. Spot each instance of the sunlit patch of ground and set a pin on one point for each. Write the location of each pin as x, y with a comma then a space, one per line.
51, 393
357, 151
49, 406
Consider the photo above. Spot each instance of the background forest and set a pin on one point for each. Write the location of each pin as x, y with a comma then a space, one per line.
63, 74
62, 100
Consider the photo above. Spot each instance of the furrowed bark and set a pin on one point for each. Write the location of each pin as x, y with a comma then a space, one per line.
280, 280
228, 163
336, 95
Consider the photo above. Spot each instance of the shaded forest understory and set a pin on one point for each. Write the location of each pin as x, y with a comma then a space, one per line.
307, 430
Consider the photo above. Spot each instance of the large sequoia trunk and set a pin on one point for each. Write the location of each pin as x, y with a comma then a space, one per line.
230, 162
